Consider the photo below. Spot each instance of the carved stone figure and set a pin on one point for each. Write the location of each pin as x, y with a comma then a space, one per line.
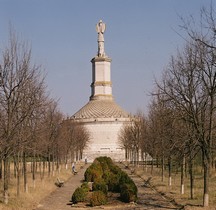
100, 28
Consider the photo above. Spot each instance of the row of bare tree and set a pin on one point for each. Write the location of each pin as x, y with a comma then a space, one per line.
181, 123
31, 126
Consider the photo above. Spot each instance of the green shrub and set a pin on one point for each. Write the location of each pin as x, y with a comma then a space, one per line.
106, 176
93, 172
113, 183
88, 175
125, 179
100, 185
85, 186
115, 169
103, 173
79, 195
128, 193
103, 161
98, 198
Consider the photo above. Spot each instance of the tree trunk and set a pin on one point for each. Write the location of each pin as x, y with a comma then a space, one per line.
152, 166
40, 167
137, 156
145, 161
162, 169
49, 165
25, 173
15, 168
1, 169
157, 161
44, 166
18, 174
53, 168
33, 170
170, 171
206, 186
206, 167
190, 165
6, 178
182, 174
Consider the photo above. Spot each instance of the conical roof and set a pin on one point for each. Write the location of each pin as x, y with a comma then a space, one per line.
101, 109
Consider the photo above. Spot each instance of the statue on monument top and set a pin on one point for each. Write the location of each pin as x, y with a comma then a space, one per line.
100, 28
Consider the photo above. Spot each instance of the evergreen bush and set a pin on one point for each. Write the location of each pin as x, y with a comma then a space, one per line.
98, 198
85, 186
100, 185
107, 176
79, 195
113, 183
128, 193
125, 179
93, 172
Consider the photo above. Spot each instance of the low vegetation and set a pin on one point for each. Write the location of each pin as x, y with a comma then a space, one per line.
37, 189
105, 177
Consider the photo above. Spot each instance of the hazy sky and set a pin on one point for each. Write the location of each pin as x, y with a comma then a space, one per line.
140, 38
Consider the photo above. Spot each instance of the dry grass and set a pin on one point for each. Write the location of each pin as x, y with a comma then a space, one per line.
173, 191
36, 193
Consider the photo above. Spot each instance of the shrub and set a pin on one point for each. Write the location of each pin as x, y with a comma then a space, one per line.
124, 178
100, 185
93, 172
79, 195
128, 193
85, 186
98, 198
113, 183
88, 175
115, 169
103, 161
106, 176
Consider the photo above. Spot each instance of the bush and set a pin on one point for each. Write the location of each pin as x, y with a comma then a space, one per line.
79, 195
85, 186
125, 179
93, 172
114, 169
103, 173
113, 183
98, 198
128, 193
105, 163
100, 185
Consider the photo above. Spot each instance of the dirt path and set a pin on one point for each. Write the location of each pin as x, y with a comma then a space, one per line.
148, 198
60, 198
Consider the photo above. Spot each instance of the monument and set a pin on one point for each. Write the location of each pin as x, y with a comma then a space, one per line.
102, 117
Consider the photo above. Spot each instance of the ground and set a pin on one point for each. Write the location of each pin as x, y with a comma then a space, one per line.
148, 198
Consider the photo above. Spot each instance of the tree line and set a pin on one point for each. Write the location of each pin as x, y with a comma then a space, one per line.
32, 128
180, 127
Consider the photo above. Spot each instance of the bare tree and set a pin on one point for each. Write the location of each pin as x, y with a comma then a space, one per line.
74, 138
131, 138
20, 87
190, 84
51, 127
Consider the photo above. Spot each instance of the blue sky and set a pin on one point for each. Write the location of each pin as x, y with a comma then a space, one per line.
140, 38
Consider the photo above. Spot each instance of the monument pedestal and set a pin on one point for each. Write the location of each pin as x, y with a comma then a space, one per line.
101, 86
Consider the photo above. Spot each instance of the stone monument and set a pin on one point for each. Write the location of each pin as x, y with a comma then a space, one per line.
100, 28
102, 117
